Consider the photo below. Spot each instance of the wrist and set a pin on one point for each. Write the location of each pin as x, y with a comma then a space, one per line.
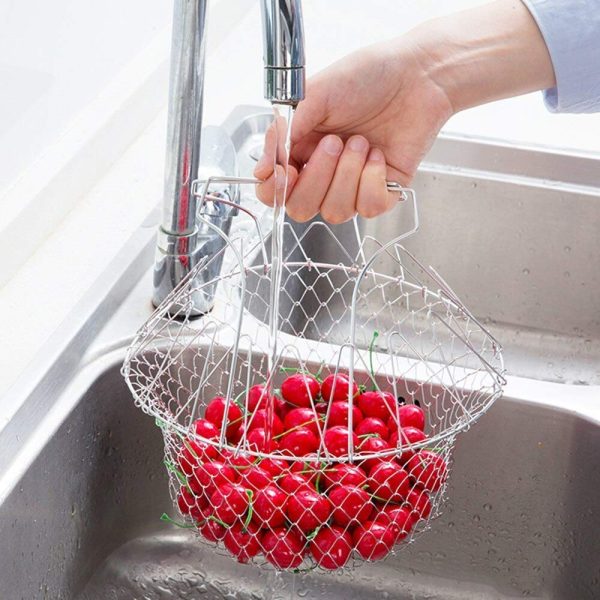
484, 54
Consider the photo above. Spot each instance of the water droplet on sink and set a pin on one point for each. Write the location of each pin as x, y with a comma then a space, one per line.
526, 271
567, 248
487, 507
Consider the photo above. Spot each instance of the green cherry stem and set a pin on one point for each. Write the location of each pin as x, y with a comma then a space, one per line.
250, 495
167, 519
313, 534
182, 478
372, 369
216, 520
237, 402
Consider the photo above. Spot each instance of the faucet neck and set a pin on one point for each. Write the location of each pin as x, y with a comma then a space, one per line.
181, 246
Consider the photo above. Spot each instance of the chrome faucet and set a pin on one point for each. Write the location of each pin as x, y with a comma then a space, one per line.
182, 242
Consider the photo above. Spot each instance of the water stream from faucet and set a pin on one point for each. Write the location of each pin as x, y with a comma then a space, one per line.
279, 135
276, 587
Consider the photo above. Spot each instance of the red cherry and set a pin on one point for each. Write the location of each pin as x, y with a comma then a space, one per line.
215, 411
283, 548
331, 547
229, 502
185, 500
377, 404
211, 475
310, 470
275, 466
240, 462
307, 509
300, 442
410, 436
344, 474
389, 482
225, 455
301, 417
338, 415
373, 540
259, 420
351, 505
193, 453
336, 388
374, 445
410, 415
419, 503
256, 478
282, 408
398, 518
257, 394
372, 426
211, 530
269, 507
336, 440
428, 470
299, 389
235, 438
191, 505
243, 542
293, 482
257, 441
321, 408
205, 429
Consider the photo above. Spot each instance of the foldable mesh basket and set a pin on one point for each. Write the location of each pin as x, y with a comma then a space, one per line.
339, 450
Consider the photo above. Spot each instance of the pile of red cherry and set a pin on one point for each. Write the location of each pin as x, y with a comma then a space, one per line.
289, 509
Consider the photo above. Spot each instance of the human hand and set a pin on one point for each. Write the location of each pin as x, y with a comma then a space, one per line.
369, 118
373, 115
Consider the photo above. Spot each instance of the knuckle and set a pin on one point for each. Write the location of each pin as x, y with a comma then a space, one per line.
372, 207
298, 215
335, 217
264, 193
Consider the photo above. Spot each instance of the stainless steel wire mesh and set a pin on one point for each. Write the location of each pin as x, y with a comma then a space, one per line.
276, 467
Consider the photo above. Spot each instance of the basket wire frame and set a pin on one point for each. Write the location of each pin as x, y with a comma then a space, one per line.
371, 312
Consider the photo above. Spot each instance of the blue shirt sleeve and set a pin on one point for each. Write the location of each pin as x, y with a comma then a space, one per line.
571, 30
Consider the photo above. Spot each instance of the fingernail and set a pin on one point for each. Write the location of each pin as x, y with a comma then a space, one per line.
376, 155
358, 144
280, 178
332, 145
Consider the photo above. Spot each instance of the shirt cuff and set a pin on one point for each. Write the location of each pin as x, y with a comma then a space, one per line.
571, 30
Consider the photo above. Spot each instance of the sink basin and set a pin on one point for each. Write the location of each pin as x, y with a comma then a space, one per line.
83, 521
82, 484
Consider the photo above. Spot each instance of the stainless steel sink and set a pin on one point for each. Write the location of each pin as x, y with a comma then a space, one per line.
83, 520
82, 484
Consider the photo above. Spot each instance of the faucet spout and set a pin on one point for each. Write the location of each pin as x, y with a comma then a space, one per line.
283, 44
